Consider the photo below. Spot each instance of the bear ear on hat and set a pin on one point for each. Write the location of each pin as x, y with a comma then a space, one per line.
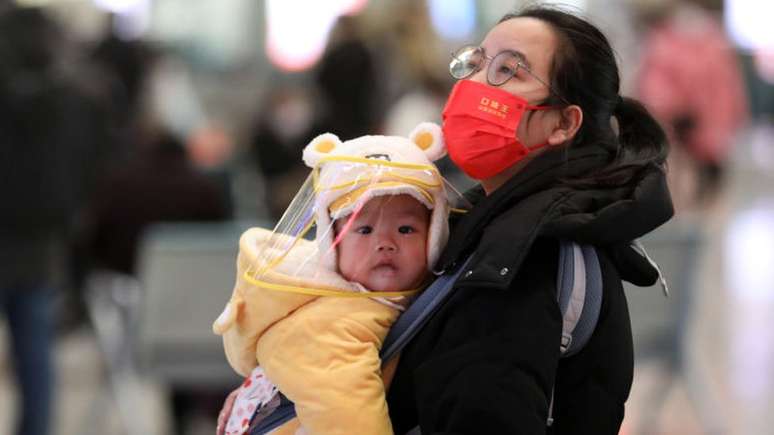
319, 147
429, 138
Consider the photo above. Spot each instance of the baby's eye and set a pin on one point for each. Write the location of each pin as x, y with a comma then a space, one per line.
406, 229
365, 229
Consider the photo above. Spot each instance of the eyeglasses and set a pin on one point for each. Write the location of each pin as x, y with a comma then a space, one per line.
469, 59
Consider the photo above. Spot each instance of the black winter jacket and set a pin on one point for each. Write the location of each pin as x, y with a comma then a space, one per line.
487, 361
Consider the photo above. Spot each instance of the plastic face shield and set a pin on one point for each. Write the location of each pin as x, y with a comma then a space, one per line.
358, 227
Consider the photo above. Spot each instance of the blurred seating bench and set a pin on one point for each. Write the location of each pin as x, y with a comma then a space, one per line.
187, 273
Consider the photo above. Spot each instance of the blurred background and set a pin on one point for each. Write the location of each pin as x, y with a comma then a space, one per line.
138, 138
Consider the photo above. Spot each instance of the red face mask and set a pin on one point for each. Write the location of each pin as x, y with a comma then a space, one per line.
479, 127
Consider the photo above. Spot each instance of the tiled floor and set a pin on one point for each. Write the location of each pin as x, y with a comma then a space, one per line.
725, 387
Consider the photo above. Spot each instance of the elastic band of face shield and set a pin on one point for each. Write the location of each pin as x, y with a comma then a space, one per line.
324, 292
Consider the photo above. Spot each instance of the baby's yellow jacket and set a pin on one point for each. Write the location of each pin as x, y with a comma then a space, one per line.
321, 352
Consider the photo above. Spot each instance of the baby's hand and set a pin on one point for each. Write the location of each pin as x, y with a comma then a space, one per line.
225, 413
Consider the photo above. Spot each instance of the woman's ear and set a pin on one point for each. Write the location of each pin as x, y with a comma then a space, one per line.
571, 118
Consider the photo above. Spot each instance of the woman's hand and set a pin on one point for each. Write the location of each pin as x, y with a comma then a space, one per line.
225, 413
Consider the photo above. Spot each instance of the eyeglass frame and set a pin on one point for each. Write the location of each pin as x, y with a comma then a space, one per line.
519, 64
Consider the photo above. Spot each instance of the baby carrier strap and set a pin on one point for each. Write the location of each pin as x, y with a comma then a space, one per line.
579, 293
284, 412
418, 313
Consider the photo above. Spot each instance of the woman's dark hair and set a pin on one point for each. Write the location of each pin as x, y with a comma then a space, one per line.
584, 72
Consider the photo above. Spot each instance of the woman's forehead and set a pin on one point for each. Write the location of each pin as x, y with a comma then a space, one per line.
531, 37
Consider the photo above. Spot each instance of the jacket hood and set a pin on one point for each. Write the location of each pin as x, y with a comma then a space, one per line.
535, 203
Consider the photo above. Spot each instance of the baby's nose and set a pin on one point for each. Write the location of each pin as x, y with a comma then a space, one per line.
385, 245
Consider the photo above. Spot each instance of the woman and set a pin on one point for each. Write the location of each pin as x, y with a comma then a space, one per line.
580, 163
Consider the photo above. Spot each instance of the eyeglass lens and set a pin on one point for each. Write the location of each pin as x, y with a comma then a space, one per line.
468, 60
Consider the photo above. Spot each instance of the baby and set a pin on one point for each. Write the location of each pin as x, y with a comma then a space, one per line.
314, 314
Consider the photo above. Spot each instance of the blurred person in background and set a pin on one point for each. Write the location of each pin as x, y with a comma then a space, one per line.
347, 82
345, 100
114, 71
413, 56
418, 78
159, 183
50, 134
691, 80
285, 123
123, 66
157, 171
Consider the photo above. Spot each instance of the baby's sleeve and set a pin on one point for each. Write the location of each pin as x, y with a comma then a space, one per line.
325, 358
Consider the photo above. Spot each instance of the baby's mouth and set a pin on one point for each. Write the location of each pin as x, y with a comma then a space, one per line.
385, 266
